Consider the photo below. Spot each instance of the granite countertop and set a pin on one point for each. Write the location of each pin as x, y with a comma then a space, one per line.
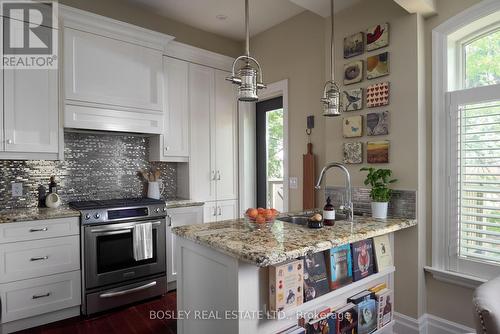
284, 241
28, 214
181, 203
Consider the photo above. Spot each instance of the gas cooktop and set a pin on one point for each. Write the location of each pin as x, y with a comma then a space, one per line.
114, 203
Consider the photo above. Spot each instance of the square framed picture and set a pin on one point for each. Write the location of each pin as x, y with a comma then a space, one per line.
354, 45
377, 95
377, 152
377, 66
353, 153
377, 123
353, 72
377, 37
352, 99
352, 126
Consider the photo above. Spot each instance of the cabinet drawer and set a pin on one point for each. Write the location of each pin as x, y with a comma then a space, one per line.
37, 258
39, 229
36, 296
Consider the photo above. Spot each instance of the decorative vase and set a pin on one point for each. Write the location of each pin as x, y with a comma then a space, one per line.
379, 210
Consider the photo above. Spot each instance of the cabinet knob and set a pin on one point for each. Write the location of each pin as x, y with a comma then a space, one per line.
9, 141
167, 148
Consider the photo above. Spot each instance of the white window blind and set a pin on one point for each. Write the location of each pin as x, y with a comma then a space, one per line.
474, 187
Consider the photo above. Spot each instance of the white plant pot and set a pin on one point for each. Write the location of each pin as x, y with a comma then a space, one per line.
379, 210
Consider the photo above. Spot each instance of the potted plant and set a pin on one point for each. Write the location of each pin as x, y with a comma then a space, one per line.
379, 180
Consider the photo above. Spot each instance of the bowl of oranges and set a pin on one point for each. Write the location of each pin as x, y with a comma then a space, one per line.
261, 216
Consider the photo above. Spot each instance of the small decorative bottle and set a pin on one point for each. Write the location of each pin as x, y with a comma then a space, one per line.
329, 213
52, 185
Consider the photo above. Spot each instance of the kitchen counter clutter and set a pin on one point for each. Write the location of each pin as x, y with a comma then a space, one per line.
284, 241
30, 214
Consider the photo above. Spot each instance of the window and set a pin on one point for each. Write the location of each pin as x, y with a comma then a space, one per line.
466, 147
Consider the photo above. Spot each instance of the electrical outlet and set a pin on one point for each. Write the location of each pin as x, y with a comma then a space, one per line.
17, 189
294, 182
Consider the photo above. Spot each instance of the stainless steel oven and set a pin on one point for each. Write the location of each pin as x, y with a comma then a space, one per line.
111, 275
109, 253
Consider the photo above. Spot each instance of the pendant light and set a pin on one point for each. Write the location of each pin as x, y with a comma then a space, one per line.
331, 92
247, 77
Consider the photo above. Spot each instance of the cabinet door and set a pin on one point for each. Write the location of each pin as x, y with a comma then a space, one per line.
202, 155
179, 217
176, 137
31, 115
101, 70
227, 210
226, 135
210, 212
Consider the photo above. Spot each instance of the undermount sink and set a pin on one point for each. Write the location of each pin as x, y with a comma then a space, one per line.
303, 219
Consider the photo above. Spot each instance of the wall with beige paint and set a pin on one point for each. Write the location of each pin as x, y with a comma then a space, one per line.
444, 300
293, 50
403, 131
140, 16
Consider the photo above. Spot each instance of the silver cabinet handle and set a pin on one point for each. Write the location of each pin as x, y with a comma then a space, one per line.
218, 175
39, 258
9, 141
214, 211
220, 211
43, 229
41, 296
125, 292
169, 217
212, 177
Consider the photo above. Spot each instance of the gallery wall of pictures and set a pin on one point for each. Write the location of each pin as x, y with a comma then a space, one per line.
371, 63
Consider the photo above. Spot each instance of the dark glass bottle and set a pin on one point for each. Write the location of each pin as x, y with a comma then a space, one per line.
52, 185
329, 213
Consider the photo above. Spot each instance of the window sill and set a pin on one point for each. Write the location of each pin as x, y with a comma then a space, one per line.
446, 276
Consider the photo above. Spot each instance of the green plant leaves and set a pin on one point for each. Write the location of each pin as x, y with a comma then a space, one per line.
379, 181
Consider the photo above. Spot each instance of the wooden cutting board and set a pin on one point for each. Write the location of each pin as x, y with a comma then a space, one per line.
309, 177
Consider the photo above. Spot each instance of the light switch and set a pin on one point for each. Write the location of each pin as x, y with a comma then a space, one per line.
293, 182
17, 189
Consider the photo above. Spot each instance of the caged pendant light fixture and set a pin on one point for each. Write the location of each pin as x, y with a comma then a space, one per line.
249, 76
331, 92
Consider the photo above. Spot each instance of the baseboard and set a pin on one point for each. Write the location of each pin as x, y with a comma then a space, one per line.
427, 324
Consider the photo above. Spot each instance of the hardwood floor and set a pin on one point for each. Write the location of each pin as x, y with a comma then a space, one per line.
134, 319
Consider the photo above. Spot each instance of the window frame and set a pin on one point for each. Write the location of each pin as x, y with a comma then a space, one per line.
446, 78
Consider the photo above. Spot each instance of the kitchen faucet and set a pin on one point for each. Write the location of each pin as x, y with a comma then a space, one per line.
348, 206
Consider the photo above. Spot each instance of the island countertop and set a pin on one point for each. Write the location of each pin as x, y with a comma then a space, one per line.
284, 241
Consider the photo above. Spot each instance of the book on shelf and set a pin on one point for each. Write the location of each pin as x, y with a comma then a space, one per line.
315, 276
321, 325
362, 259
286, 285
384, 307
378, 287
383, 254
347, 319
339, 264
366, 306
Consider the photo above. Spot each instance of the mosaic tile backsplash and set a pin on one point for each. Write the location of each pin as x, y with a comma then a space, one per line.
403, 203
96, 166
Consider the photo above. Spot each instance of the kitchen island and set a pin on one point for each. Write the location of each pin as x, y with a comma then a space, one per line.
222, 283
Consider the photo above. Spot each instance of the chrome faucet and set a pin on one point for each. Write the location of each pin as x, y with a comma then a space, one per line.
348, 206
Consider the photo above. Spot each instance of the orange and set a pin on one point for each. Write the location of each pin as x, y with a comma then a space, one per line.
260, 219
252, 213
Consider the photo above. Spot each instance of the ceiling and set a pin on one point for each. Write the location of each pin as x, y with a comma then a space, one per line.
226, 17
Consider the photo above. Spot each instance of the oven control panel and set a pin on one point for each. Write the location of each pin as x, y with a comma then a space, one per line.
98, 216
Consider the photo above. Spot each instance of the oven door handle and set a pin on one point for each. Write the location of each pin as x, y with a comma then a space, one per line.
128, 291
117, 230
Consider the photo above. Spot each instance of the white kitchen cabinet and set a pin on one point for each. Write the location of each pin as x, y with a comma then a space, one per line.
179, 217
202, 171
173, 145
220, 210
30, 116
214, 159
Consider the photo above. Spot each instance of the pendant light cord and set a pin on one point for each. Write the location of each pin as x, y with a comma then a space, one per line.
332, 69
247, 30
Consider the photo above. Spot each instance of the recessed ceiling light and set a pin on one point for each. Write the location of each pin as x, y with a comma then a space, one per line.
221, 17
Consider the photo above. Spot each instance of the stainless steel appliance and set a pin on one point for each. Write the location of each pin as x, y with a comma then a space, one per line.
111, 275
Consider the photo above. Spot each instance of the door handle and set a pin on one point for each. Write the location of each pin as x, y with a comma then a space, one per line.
43, 229
39, 258
215, 211
128, 291
41, 296
218, 175
212, 177
220, 211
169, 217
